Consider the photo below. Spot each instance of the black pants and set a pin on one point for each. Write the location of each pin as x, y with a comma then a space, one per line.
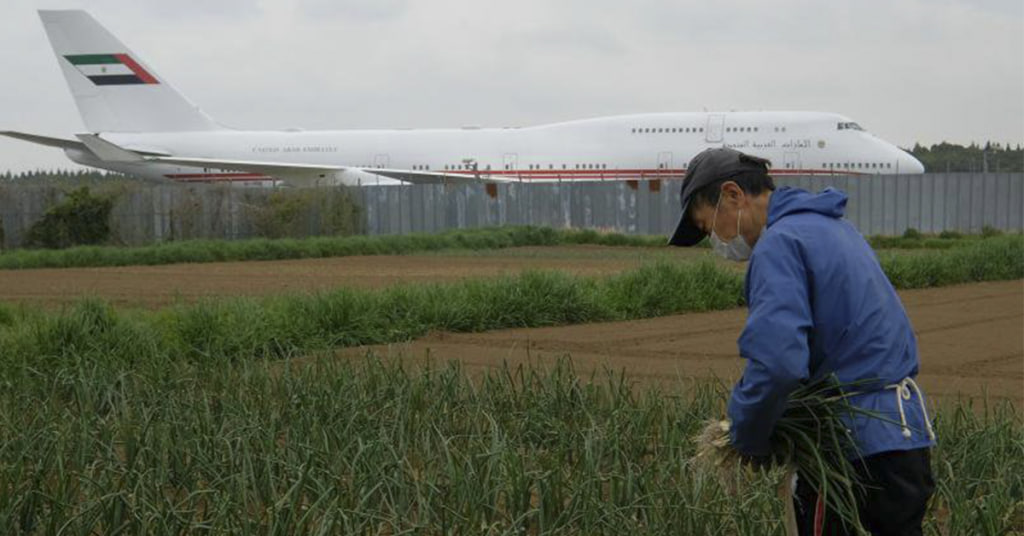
897, 487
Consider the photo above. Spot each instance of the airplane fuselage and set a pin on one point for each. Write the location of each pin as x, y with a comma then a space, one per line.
629, 147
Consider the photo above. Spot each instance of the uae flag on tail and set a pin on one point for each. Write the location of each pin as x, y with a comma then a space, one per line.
111, 69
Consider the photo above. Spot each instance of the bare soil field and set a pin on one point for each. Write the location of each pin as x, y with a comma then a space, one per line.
971, 341
155, 286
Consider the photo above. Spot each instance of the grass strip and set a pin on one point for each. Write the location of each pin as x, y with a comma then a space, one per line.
204, 251
990, 259
340, 447
262, 249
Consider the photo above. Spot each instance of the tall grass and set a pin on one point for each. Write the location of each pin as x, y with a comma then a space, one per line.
203, 251
335, 447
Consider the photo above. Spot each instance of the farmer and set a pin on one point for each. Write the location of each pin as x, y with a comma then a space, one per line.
819, 303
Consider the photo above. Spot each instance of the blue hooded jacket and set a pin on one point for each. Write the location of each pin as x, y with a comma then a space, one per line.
819, 303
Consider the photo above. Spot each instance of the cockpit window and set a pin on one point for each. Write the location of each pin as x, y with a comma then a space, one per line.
849, 126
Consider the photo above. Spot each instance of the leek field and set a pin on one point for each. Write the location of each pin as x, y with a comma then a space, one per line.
234, 416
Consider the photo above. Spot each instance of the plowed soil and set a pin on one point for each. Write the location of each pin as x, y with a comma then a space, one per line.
971, 343
155, 286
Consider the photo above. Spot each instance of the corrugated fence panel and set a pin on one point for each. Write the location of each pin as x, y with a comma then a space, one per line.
144, 213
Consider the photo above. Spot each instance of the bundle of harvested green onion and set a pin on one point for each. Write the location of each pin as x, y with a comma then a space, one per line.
809, 438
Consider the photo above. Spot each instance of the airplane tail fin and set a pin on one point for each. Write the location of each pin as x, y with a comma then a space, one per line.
116, 91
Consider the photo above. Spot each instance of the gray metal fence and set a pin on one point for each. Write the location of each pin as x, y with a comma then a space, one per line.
879, 204
147, 213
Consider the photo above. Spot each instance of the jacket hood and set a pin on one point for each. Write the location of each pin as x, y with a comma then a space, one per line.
786, 201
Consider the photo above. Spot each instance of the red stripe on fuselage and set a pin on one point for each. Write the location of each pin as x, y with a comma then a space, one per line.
618, 174
136, 68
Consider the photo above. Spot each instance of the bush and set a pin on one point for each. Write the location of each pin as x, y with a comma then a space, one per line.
950, 235
989, 231
81, 219
912, 234
288, 213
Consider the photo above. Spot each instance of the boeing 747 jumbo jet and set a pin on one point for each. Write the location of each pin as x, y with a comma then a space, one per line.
140, 125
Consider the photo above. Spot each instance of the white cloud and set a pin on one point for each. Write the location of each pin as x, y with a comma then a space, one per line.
356, 10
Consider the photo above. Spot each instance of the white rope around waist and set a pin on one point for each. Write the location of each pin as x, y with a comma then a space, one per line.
903, 393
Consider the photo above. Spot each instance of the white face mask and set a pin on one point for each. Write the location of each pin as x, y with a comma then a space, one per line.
736, 249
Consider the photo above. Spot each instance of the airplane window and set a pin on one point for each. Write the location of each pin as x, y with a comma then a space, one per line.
563, 166
748, 129
755, 129
702, 129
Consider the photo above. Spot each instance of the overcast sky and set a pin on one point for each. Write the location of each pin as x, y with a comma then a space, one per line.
907, 70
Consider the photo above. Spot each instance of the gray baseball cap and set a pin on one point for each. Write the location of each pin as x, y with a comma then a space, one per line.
707, 167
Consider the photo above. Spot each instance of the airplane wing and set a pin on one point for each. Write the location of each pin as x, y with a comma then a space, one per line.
311, 174
60, 143
430, 177
298, 174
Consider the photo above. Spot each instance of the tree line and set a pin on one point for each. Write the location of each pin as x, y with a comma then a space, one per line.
950, 157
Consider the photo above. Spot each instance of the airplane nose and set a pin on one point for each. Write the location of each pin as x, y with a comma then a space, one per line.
908, 165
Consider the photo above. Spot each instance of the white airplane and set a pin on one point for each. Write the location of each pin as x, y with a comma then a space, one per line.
140, 125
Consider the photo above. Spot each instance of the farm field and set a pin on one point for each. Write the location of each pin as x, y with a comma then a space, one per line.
155, 286
243, 413
969, 334
969, 339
